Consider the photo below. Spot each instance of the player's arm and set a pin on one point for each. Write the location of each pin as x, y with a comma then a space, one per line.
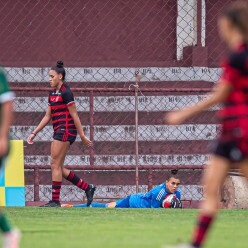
6, 118
156, 197
155, 202
74, 114
219, 95
232, 68
6, 101
45, 120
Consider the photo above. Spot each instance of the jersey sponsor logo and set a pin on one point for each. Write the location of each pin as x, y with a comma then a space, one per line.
56, 99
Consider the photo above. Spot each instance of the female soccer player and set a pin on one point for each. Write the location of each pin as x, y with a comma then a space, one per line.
66, 123
11, 236
232, 91
152, 199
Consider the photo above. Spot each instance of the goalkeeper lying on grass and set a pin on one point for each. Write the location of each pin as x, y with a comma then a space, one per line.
166, 195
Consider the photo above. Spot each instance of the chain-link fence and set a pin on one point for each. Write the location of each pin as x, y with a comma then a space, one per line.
108, 117
173, 44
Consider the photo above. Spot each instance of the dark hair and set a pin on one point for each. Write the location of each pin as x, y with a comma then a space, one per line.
173, 174
237, 12
59, 68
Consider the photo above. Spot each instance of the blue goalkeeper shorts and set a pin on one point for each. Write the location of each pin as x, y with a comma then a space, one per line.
123, 203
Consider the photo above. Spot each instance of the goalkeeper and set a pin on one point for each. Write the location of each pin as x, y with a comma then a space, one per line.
152, 199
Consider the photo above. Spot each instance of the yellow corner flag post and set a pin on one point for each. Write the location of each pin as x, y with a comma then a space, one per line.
12, 188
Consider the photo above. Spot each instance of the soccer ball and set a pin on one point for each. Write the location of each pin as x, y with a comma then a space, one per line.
167, 200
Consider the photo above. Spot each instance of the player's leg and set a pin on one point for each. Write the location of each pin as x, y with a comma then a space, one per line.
59, 150
58, 153
111, 205
92, 205
4, 223
11, 236
123, 203
73, 178
12, 239
70, 176
213, 179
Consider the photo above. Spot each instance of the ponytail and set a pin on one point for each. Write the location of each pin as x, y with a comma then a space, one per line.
59, 68
173, 174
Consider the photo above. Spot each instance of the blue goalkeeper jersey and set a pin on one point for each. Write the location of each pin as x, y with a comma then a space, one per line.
151, 199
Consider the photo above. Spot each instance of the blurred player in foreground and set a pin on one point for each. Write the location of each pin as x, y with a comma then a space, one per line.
11, 236
232, 91
66, 123
166, 195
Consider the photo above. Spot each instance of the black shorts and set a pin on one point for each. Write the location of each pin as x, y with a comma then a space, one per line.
230, 150
66, 136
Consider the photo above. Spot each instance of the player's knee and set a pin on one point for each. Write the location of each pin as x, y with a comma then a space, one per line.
111, 205
55, 164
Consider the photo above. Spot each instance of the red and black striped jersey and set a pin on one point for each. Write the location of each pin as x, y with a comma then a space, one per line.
59, 102
234, 115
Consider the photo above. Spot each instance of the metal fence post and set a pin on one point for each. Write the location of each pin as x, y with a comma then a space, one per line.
36, 184
136, 88
149, 179
91, 127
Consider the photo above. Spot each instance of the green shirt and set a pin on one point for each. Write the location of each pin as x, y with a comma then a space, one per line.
5, 94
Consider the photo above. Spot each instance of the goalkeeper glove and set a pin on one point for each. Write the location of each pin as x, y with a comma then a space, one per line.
176, 203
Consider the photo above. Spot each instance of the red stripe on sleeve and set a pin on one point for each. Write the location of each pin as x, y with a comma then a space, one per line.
70, 103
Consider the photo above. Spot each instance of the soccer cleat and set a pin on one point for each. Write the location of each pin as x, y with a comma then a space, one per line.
51, 204
66, 206
12, 239
90, 193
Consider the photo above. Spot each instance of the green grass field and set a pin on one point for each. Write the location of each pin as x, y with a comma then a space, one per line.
117, 228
